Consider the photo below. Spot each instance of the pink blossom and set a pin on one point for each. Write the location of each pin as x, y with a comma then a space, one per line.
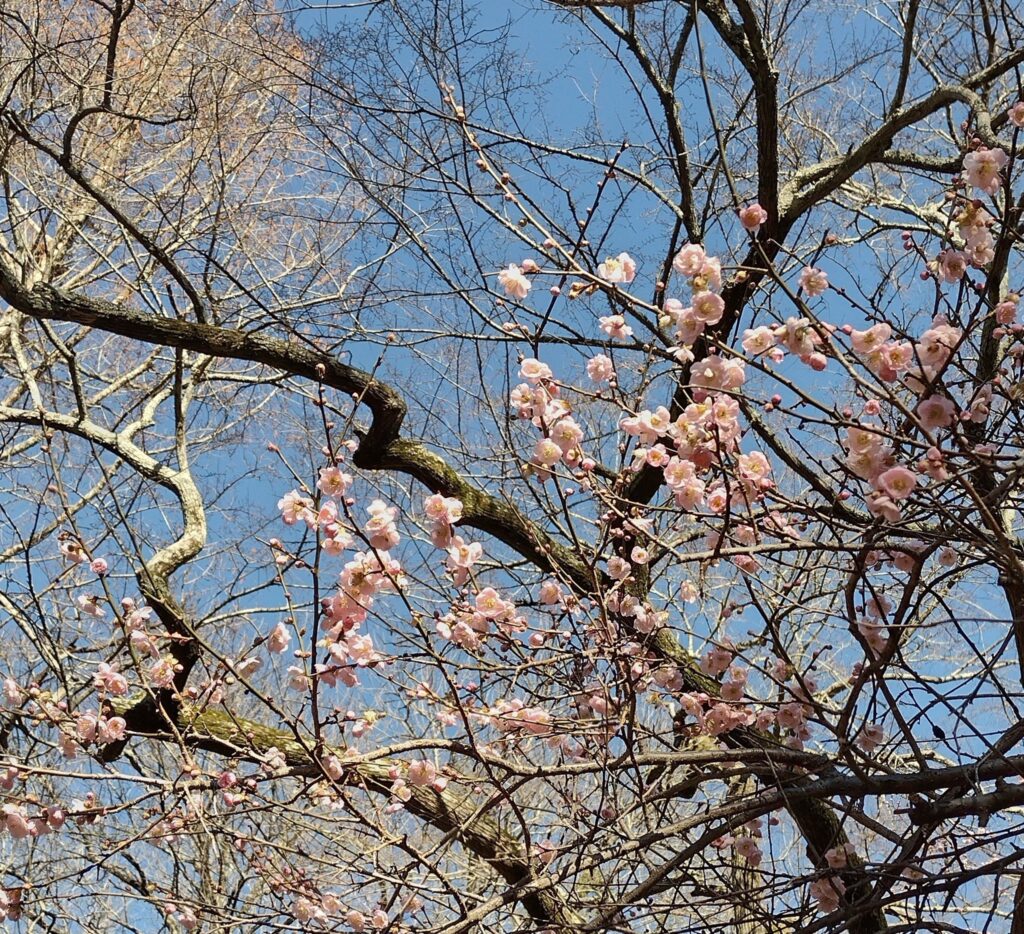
489, 604
90, 605
866, 342
982, 168
278, 639
951, 265
838, 857
421, 772
109, 679
615, 326
161, 673
111, 730
791, 716
534, 371
758, 341
295, 507
813, 281
461, 557
12, 693
936, 412
827, 893
380, 528
1006, 310
1016, 114
515, 284
619, 568
567, 434
716, 660
546, 453
897, 482
689, 260
99, 566
620, 269
600, 368
334, 482
747, 848
708, 307
937, 343
73, 551
980, 407
550, 593
884, 507
443, 509
752, 217
870, 737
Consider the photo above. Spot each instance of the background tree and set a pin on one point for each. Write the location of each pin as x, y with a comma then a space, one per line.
646, 467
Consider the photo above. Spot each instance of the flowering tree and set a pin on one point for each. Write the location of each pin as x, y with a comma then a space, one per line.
422, 517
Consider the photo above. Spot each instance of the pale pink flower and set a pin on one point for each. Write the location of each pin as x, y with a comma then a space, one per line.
716, 661
295, 507
567, 434
534, 371
897, 482
708, 307
620, 269
489, 604
547, 453
421, 772
443, 509
12, 693
747, 848
710, 275
461, 558
279, 638
99, 566
883, 506
870, 737
73, 551
1016, 115
936, 412
600, 368
90, 605
111, 730
951, 265
866, 342
109, 679
161, 673
838, 857
380, 528
936, 344
827, 893
752, 217
619, 568
334, 481
791, 716
550, 593
1006, 310
689, 260
758, 340
615, 326
982, 168
515, 284
813, 281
